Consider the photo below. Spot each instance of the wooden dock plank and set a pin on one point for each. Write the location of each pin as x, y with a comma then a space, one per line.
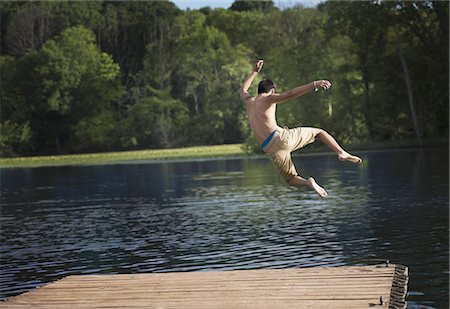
335, 287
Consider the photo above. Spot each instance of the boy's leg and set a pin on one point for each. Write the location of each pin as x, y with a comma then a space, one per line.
298, 181
283, 162
329, 140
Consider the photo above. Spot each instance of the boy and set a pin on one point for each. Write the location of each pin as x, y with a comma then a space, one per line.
278, 143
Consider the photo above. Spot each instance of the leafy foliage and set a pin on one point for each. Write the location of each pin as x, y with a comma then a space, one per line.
68, 81
100, 76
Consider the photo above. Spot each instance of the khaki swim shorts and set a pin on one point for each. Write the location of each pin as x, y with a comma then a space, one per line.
282, 144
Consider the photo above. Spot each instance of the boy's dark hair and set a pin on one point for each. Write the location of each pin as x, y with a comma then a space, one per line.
265, 86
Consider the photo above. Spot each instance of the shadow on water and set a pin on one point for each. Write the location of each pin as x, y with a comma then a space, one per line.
228, 214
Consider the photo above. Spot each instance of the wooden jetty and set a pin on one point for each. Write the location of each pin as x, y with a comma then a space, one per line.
382, 286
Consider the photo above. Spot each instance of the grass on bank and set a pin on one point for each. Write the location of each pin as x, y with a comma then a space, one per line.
125, 156
198, 152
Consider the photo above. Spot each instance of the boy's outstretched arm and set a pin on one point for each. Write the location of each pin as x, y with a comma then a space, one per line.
248, 81
298, 91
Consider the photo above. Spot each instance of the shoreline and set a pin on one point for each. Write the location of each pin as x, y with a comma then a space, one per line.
101, 158
196, 153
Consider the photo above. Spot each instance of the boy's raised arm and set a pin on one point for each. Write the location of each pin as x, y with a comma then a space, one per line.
248, 81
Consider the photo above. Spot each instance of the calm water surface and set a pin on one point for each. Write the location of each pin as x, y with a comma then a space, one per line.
228, 214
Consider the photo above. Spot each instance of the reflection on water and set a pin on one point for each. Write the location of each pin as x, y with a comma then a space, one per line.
227, 214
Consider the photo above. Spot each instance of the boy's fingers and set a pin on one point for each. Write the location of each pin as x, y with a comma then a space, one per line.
260, 65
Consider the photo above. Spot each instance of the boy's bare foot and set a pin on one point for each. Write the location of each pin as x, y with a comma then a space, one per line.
345, 156
313, 184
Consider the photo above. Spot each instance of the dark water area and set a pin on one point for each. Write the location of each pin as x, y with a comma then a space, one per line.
228, 214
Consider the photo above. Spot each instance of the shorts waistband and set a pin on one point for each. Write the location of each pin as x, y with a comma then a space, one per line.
268, 139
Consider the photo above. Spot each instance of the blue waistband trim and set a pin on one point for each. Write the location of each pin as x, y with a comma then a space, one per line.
268, 139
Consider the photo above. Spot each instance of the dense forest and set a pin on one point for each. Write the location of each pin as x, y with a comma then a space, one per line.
88, 76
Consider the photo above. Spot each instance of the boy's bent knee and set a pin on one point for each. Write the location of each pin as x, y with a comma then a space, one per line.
291, 181
319, 132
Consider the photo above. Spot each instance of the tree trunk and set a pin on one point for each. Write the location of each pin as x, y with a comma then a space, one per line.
330, 107
56, 135
408, 83
367, 109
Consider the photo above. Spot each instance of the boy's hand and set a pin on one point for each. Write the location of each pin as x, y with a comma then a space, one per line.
258, 66
324, 84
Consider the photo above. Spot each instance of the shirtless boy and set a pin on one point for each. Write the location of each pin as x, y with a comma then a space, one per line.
278, 143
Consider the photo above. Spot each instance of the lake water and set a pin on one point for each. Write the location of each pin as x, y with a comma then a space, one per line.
228, 214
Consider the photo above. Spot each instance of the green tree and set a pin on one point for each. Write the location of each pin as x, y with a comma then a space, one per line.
132, 28
256, 35
300, 58
209, 73
399, 52
15, 134
363, 23
69, 80
245, 5
28, 28
77, 79
418, 38
154, 120
30, 24
13, 138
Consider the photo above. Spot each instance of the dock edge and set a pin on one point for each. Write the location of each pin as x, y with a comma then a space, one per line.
399, 288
